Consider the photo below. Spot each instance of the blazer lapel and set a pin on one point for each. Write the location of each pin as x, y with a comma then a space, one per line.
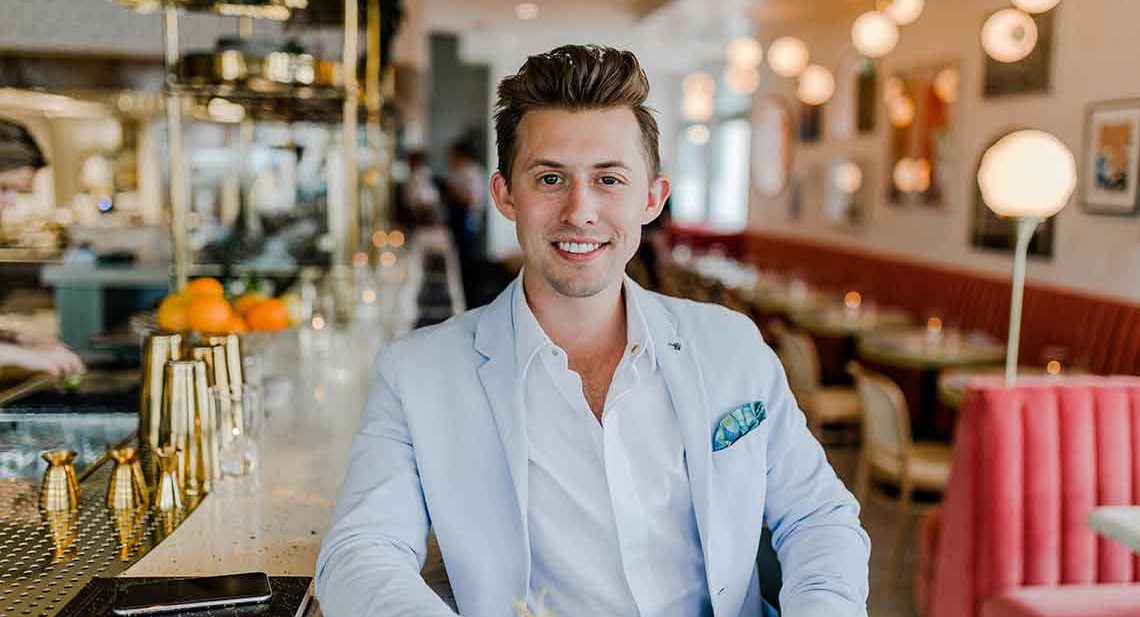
495, 339
682, 374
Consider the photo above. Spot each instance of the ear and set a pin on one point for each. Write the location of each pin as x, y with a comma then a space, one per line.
501, 194
658, 193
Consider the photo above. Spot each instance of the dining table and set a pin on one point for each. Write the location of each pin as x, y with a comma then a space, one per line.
915, 358
835, 329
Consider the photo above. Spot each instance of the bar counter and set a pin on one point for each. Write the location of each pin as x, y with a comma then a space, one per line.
273, 521
314, 385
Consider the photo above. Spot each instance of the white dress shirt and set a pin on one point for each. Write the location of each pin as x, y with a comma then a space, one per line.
610, 513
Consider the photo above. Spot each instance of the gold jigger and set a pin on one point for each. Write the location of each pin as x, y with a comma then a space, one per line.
169, 494
191, 425
127, 488
59, 491
232, 342
160, 348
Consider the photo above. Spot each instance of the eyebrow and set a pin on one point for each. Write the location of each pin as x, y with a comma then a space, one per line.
557, 165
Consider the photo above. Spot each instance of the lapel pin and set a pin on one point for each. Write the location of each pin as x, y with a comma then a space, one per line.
675, 345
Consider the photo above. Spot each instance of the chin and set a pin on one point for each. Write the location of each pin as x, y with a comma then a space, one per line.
582, 285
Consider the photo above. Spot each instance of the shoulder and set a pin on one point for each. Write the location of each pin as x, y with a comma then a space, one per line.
704, 319
432, 347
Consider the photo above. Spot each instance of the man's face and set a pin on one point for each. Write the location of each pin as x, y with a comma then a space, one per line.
580, 191
14, 181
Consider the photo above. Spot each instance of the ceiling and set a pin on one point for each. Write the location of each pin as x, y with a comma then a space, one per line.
468, 15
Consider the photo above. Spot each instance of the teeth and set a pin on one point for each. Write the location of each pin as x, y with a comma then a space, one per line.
578, 247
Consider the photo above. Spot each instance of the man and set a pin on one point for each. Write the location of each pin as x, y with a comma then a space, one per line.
582, 440
20, 158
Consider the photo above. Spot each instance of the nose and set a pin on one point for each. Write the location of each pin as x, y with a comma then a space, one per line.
580, 209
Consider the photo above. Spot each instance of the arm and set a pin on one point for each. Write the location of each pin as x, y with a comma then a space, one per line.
814, 519
371, 557
53, 358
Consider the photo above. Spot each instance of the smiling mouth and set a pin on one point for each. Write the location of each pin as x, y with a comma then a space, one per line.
579, 250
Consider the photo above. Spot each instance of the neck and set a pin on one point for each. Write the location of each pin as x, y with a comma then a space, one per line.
580, 326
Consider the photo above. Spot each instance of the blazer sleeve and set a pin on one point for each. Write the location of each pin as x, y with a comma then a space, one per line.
822, 548
371, 558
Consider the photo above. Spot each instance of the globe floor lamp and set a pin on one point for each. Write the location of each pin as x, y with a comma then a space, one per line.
1027, 176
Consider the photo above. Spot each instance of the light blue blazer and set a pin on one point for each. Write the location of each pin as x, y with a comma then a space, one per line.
443, 445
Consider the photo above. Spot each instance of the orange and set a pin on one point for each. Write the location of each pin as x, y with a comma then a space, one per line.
237, 325
205, 286
172, 312
248, 301
208, 314
271, 314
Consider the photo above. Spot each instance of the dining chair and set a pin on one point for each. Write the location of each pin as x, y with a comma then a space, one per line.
823, 405
889, 455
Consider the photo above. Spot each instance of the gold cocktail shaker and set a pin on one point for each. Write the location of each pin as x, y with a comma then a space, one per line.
232, 343
187, 400
160, 348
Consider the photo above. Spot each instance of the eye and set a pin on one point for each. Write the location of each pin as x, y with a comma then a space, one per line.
610, 180
549, 179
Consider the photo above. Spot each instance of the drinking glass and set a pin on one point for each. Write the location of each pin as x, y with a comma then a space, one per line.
238, 415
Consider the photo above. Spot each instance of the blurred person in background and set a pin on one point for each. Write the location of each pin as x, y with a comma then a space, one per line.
465, 193
20, 159
419, 196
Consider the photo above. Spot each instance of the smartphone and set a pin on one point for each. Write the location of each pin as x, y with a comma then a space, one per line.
192, 593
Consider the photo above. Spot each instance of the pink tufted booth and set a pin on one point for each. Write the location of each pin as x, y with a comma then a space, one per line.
1030, 463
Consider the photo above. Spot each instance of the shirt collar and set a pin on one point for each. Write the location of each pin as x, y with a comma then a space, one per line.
529, 336
531, 339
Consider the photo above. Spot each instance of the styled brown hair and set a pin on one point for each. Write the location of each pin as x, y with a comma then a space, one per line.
574, 78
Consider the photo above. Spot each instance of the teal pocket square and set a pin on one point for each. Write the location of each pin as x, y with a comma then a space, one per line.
736, 424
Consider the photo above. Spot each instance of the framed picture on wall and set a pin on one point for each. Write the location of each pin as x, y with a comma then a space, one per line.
1111, 162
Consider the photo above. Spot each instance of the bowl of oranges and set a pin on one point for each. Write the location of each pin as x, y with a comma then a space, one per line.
203, 307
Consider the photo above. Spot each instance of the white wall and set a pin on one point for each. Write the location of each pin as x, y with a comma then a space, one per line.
1095, 51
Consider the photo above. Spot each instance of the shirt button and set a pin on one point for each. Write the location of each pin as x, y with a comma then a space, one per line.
554, 352
634, 348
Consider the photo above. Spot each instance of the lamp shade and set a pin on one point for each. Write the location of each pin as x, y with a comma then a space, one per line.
698, 107
697, 103
816, 85
901, 111
848, 177
906, 175
787, 56
1036, 6
745, 52
1027, 174
948, 84
1009, 35
874, 34
742, 79
903, 12
698, 84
